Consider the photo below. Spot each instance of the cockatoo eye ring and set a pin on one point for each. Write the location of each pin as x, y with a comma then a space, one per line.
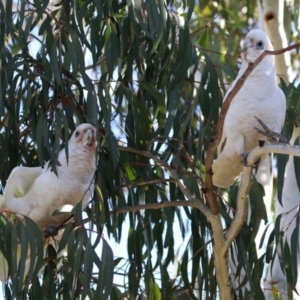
77, 134
260, 45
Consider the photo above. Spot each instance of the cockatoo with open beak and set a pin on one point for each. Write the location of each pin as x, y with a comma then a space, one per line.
259, 97
38, 192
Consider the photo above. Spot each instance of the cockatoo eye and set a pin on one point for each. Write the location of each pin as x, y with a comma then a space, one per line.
260, 45
77, 133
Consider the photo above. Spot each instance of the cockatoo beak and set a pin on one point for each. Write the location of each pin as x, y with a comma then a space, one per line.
89, 136
247, 44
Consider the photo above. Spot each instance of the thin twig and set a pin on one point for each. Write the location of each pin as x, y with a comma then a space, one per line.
142, 183
189, 203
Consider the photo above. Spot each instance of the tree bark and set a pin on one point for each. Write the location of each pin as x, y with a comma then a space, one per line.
273, 13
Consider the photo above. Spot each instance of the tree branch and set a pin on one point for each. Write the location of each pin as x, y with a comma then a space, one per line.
242, 202
279, 148
220, 258
148, 182
241, 208
221, 244
173, 174
190, 203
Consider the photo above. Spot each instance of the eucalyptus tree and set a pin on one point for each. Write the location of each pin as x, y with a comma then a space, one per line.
150, 76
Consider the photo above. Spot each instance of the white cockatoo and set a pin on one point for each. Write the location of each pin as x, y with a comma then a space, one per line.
259, 97
38, 192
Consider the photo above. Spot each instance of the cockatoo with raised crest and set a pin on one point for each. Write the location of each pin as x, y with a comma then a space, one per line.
259, 97
38, 192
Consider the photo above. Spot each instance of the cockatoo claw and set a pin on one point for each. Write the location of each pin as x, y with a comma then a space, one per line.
50, 231
244, 161
272, 136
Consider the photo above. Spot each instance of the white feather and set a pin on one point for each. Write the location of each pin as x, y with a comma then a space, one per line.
260, 96
37, 193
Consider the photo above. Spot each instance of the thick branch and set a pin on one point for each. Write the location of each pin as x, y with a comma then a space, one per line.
241, 211
275, 15
220, 258
272, 148
252, 158
241, 208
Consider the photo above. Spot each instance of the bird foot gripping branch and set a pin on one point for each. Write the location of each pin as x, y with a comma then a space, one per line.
272, 136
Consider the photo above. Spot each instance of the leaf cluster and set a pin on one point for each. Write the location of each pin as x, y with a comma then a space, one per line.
150, 76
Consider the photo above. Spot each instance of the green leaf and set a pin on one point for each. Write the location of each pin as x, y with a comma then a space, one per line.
41, 128
297, 165
159, 19
191, 6
66, 132
91, 107
173, 102
65, 236
281, 164
36, 248
110, 47
88, 268
104, 284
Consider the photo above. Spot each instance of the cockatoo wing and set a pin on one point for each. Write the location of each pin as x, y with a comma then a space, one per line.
259, 97
17, 185
20, 180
